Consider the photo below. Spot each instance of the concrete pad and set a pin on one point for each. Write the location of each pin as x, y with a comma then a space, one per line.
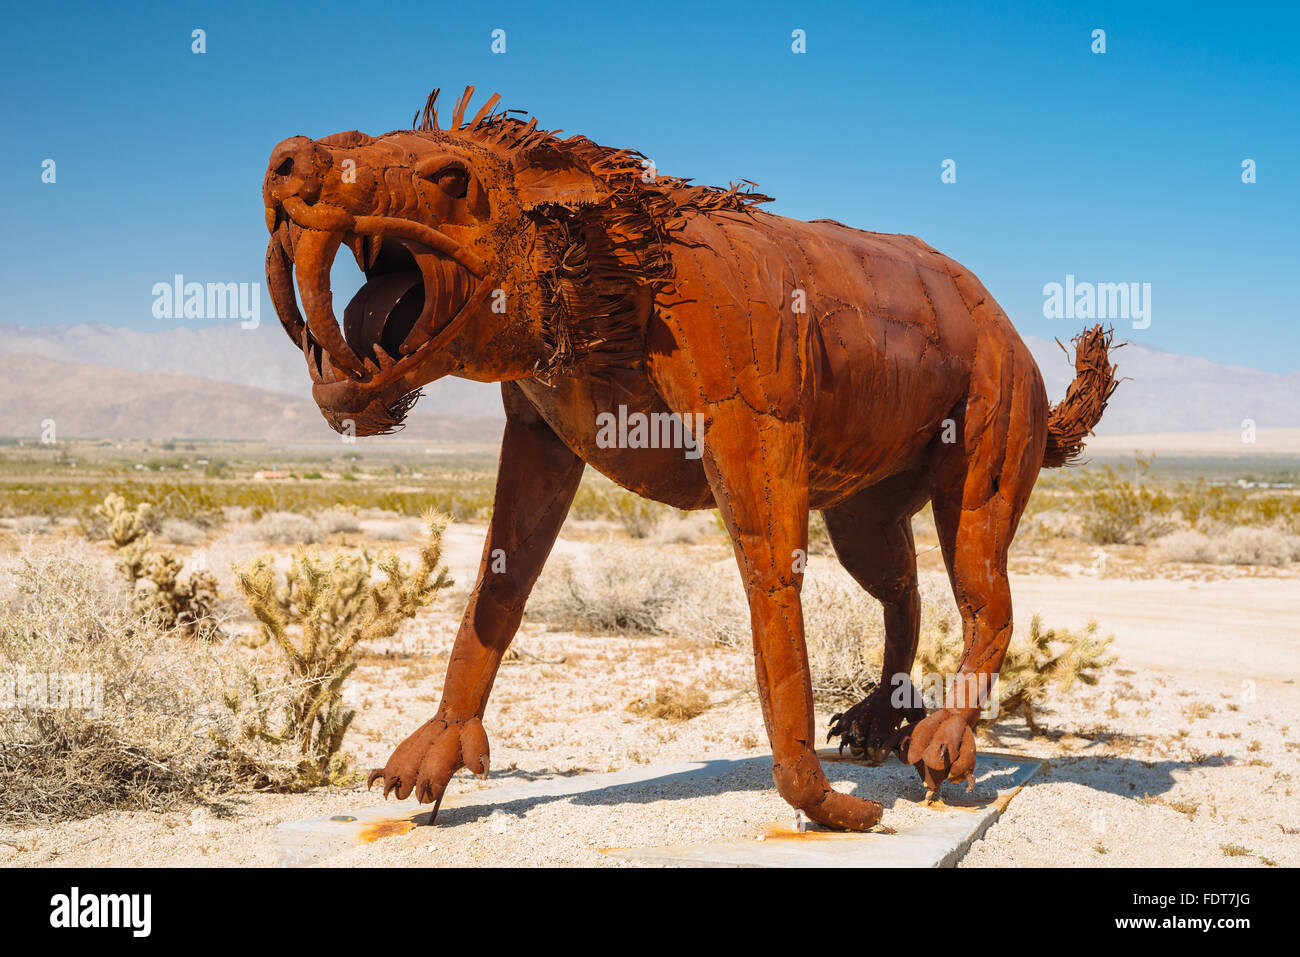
300, 843
934, 835
955, 823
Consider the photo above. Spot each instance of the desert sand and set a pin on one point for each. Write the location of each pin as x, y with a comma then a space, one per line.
1186, 752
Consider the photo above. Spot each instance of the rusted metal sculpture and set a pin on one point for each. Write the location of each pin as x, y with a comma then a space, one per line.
823, 367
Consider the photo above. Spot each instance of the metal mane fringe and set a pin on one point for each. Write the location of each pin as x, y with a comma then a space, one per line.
1074, 418
592, 258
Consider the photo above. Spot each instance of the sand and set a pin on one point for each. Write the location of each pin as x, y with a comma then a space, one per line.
1185, 753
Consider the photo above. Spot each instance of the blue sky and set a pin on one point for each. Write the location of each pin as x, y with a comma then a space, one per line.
1118, 167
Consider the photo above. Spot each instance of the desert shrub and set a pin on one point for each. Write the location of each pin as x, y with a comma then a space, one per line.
464, 493
680, 528
1051, 523
1235, 546
393, 530
175, 531
239, 514
1188, 546
671, 703
338, 520
158, 594
1045, 660
844, 634
609, 591
1050, 660
599, 498
1260, 546
710, 605
638, 516
30, 524
319, 613
1116, 511
819, 538
142, 735
844, 630
1209, 508
604, 592
283, 528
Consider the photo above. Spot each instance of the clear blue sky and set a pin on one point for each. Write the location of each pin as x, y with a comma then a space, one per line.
1117, 167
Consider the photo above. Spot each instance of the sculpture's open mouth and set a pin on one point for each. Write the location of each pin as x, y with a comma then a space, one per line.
420, 288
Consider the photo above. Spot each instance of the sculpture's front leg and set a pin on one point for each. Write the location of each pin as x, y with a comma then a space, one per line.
757, 467
536, 480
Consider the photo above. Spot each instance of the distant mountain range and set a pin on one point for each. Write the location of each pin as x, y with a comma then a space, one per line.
221, 381
216, 382
262, 358
1165, 392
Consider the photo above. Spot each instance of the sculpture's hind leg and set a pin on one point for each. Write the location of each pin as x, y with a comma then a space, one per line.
876, 547
981, 486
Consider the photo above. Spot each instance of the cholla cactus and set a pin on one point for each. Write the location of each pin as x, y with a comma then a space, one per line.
132, 558
319, 613
1032, 667
158, 591
123, 525
162, 595
1030, 670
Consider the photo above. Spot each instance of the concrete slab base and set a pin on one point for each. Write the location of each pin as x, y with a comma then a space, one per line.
305, 842
940, 841
936, 838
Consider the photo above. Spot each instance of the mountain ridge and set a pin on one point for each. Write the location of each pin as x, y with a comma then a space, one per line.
1162, 391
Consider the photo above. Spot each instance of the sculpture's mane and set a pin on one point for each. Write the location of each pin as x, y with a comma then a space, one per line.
592, 256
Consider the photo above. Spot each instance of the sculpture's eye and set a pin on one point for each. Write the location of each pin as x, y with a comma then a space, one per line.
452, 180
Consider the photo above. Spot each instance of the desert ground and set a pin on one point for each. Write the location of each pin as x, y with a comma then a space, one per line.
634, 652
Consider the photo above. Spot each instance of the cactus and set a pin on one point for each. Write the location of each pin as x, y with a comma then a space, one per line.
120, 524
1031, 667
319, 613
172, 602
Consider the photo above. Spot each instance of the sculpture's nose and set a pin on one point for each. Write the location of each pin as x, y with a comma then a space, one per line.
297, 168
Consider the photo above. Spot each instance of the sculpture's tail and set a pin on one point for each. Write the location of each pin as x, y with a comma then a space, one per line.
1078, 413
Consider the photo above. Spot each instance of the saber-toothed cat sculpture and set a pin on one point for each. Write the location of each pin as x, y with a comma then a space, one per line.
805, 365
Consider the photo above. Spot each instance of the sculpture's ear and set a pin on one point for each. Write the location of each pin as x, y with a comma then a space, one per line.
549, 177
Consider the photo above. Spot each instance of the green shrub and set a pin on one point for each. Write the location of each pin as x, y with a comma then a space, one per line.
1116, 511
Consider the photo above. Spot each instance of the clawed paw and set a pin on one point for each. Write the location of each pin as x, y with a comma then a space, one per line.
941, 747
426, 760
872, 728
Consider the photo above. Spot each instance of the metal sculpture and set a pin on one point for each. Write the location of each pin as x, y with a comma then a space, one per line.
807, 364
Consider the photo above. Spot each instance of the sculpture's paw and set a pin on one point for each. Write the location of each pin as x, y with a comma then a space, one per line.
872, 727
844, 812
941, 747
426, 760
